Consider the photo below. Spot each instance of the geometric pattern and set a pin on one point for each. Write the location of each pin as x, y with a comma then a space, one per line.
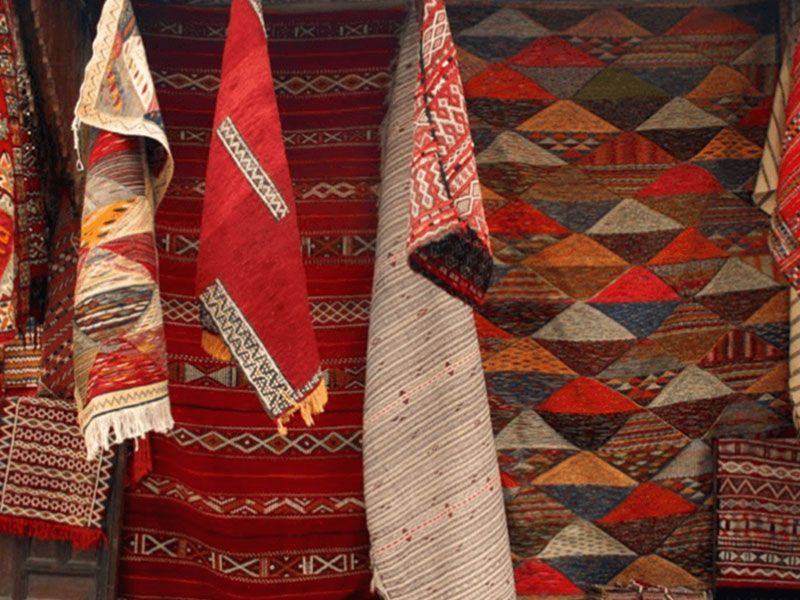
758, 506
281, 515
48, 489
635, 313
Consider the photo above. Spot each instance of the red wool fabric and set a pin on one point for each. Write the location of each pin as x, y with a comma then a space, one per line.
785, 237
233, 510
250, 271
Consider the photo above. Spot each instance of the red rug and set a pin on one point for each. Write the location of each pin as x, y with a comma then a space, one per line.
232, 509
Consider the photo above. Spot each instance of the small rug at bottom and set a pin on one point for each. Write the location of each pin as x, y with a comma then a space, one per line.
758, 517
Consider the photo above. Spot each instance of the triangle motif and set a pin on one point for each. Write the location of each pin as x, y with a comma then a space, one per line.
679, 113
506, 22
631, 217
511, 147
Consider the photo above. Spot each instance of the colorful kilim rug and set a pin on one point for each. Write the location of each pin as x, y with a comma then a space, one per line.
758, 539
232, 508
47, 487
636, 313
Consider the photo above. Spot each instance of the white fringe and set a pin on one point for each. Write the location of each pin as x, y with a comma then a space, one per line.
131, 424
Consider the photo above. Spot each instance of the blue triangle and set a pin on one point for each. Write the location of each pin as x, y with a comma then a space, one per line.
586, 571
497, 49
590, 502
524, 389
576, 216
676, 82
732, 173
640, 318
776, 334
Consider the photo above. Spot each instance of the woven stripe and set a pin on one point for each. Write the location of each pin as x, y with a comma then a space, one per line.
252, 170
434, 507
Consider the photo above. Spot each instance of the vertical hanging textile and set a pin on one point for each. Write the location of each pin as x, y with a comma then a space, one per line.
8, 228
785, 238
431, 482
119, 347
250, 274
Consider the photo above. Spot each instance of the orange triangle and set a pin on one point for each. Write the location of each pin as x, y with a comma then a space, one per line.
730, 144
649, 501
587, 397
707, 21
518, 219
654, 570
775, 380
526, 356
584, 469
688, 246
723, 81
607, 22
576, 251
566, 115
774, 310
504, 83
629, 148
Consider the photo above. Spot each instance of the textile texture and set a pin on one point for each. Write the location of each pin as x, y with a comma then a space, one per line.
432, 489
635, 313
232, 509
757, 538
785, 221
48, 489
118, 340
254, 297
8, 225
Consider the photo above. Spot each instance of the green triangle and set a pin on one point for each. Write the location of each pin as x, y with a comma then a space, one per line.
615, 84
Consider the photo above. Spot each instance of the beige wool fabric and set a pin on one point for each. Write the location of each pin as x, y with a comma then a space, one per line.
433, 497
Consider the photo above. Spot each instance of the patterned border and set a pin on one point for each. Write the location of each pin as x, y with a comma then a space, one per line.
252, 170
256, 362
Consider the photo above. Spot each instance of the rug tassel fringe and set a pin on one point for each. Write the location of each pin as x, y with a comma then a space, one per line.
81, 538
116, 427
313, 404
215, 346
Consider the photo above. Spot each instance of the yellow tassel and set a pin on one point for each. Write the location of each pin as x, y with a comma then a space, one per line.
215, 346
313, 404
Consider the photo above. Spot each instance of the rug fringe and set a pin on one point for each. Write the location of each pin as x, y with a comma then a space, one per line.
81, 538
313, 404
133, 423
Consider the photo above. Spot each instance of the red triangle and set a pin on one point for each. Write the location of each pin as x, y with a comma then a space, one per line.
518, 219
628, 148
537, 577
504, 83
588, 397
488, 330
683, 179
649, 501
688, 246
637, 285
554, 51
758, 116
706, 21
